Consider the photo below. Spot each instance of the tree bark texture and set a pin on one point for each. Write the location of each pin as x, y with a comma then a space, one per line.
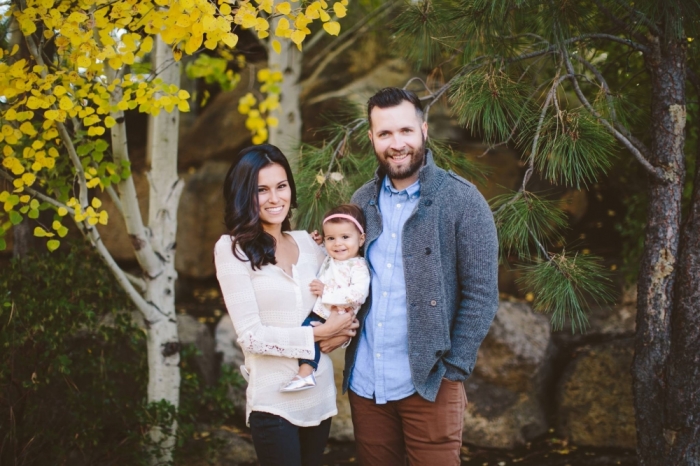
683, 399
666, 64
164, 196
287, 135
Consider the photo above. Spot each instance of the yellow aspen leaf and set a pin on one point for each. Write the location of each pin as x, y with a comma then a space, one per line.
230, 39
51, 114
263, 34
93, 182
33, 102
276, 46
96, 203
103, 218
53, 244
110, 121
272, 121
344, 2
28, 129
96, 131
59, 90
62, 211
39, 232
15, 49
56, 225
332, 27
325, 16
225, 9
283, 8
210, 43
298, 36
183, 106
29, 178
115, 62
36, 166
193, 44
92, 220
65, 103
177, 54
83, 61
19, 184
11, 114
27, 26
282, 27
91, 120
147, 44
62, 232
339, 9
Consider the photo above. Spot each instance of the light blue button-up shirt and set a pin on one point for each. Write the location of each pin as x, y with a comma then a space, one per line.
382, 370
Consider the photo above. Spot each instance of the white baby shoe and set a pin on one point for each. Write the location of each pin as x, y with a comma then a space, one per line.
299, 383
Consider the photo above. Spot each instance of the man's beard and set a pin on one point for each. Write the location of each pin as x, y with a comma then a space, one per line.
416, 156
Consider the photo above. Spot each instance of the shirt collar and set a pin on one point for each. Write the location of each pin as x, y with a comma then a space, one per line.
411, 191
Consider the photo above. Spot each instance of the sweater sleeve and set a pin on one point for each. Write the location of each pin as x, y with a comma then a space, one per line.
355, 293
239, 296
477, 269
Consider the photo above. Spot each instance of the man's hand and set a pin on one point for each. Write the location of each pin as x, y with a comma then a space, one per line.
316, 237
316, 287
333, 344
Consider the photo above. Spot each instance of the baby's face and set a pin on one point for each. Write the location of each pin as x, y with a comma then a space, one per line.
342, 239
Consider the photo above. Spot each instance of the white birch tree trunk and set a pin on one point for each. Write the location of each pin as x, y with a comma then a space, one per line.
164, 196
287, 134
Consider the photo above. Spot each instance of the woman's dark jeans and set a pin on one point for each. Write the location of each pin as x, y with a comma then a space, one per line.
280, 443
313, 317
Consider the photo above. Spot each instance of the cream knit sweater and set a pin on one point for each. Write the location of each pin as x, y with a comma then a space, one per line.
267, 307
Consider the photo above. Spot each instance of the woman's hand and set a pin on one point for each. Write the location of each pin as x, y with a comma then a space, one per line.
337, 325
316, 287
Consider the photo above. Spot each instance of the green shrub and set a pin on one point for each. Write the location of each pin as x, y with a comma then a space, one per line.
73, 370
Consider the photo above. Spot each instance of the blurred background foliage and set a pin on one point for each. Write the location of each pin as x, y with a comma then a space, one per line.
73, 370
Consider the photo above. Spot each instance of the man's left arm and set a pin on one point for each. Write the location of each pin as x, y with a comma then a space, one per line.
477, 279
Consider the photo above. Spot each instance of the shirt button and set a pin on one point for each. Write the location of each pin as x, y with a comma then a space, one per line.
393, 235
384, 293
379, 355
433, 303
379, 324
388, 266
398, 206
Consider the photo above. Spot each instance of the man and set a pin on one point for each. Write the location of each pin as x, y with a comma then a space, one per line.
432, 248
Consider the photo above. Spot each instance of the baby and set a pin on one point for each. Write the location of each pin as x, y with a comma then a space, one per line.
343, 280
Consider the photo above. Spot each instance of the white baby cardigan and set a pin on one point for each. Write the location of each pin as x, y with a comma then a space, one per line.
346, 284
267, 307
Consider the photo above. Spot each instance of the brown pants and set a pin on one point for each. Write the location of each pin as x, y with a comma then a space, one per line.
412, 430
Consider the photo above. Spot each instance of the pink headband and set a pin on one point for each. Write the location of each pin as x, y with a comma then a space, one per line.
345, 217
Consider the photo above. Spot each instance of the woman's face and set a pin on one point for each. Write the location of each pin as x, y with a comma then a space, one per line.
274, 196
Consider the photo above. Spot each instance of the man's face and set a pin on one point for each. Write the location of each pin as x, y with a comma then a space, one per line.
398, 137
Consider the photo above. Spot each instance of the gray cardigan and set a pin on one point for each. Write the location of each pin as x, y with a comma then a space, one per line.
450, 261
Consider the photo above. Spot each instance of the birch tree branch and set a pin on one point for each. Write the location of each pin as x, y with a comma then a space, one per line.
127, 201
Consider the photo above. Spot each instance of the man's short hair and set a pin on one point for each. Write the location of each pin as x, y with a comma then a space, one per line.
391, 97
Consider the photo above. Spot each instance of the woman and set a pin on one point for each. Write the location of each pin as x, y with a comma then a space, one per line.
264, 271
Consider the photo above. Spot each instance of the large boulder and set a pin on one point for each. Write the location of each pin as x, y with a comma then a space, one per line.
231, 355
218, 130
114, 235
200, 217
504, 393
594, 396
341, 428
192, 332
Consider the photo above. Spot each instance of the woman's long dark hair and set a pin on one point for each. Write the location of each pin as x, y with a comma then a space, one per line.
242, 211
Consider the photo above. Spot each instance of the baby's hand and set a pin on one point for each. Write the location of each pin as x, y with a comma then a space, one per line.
316, 237
316, 287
